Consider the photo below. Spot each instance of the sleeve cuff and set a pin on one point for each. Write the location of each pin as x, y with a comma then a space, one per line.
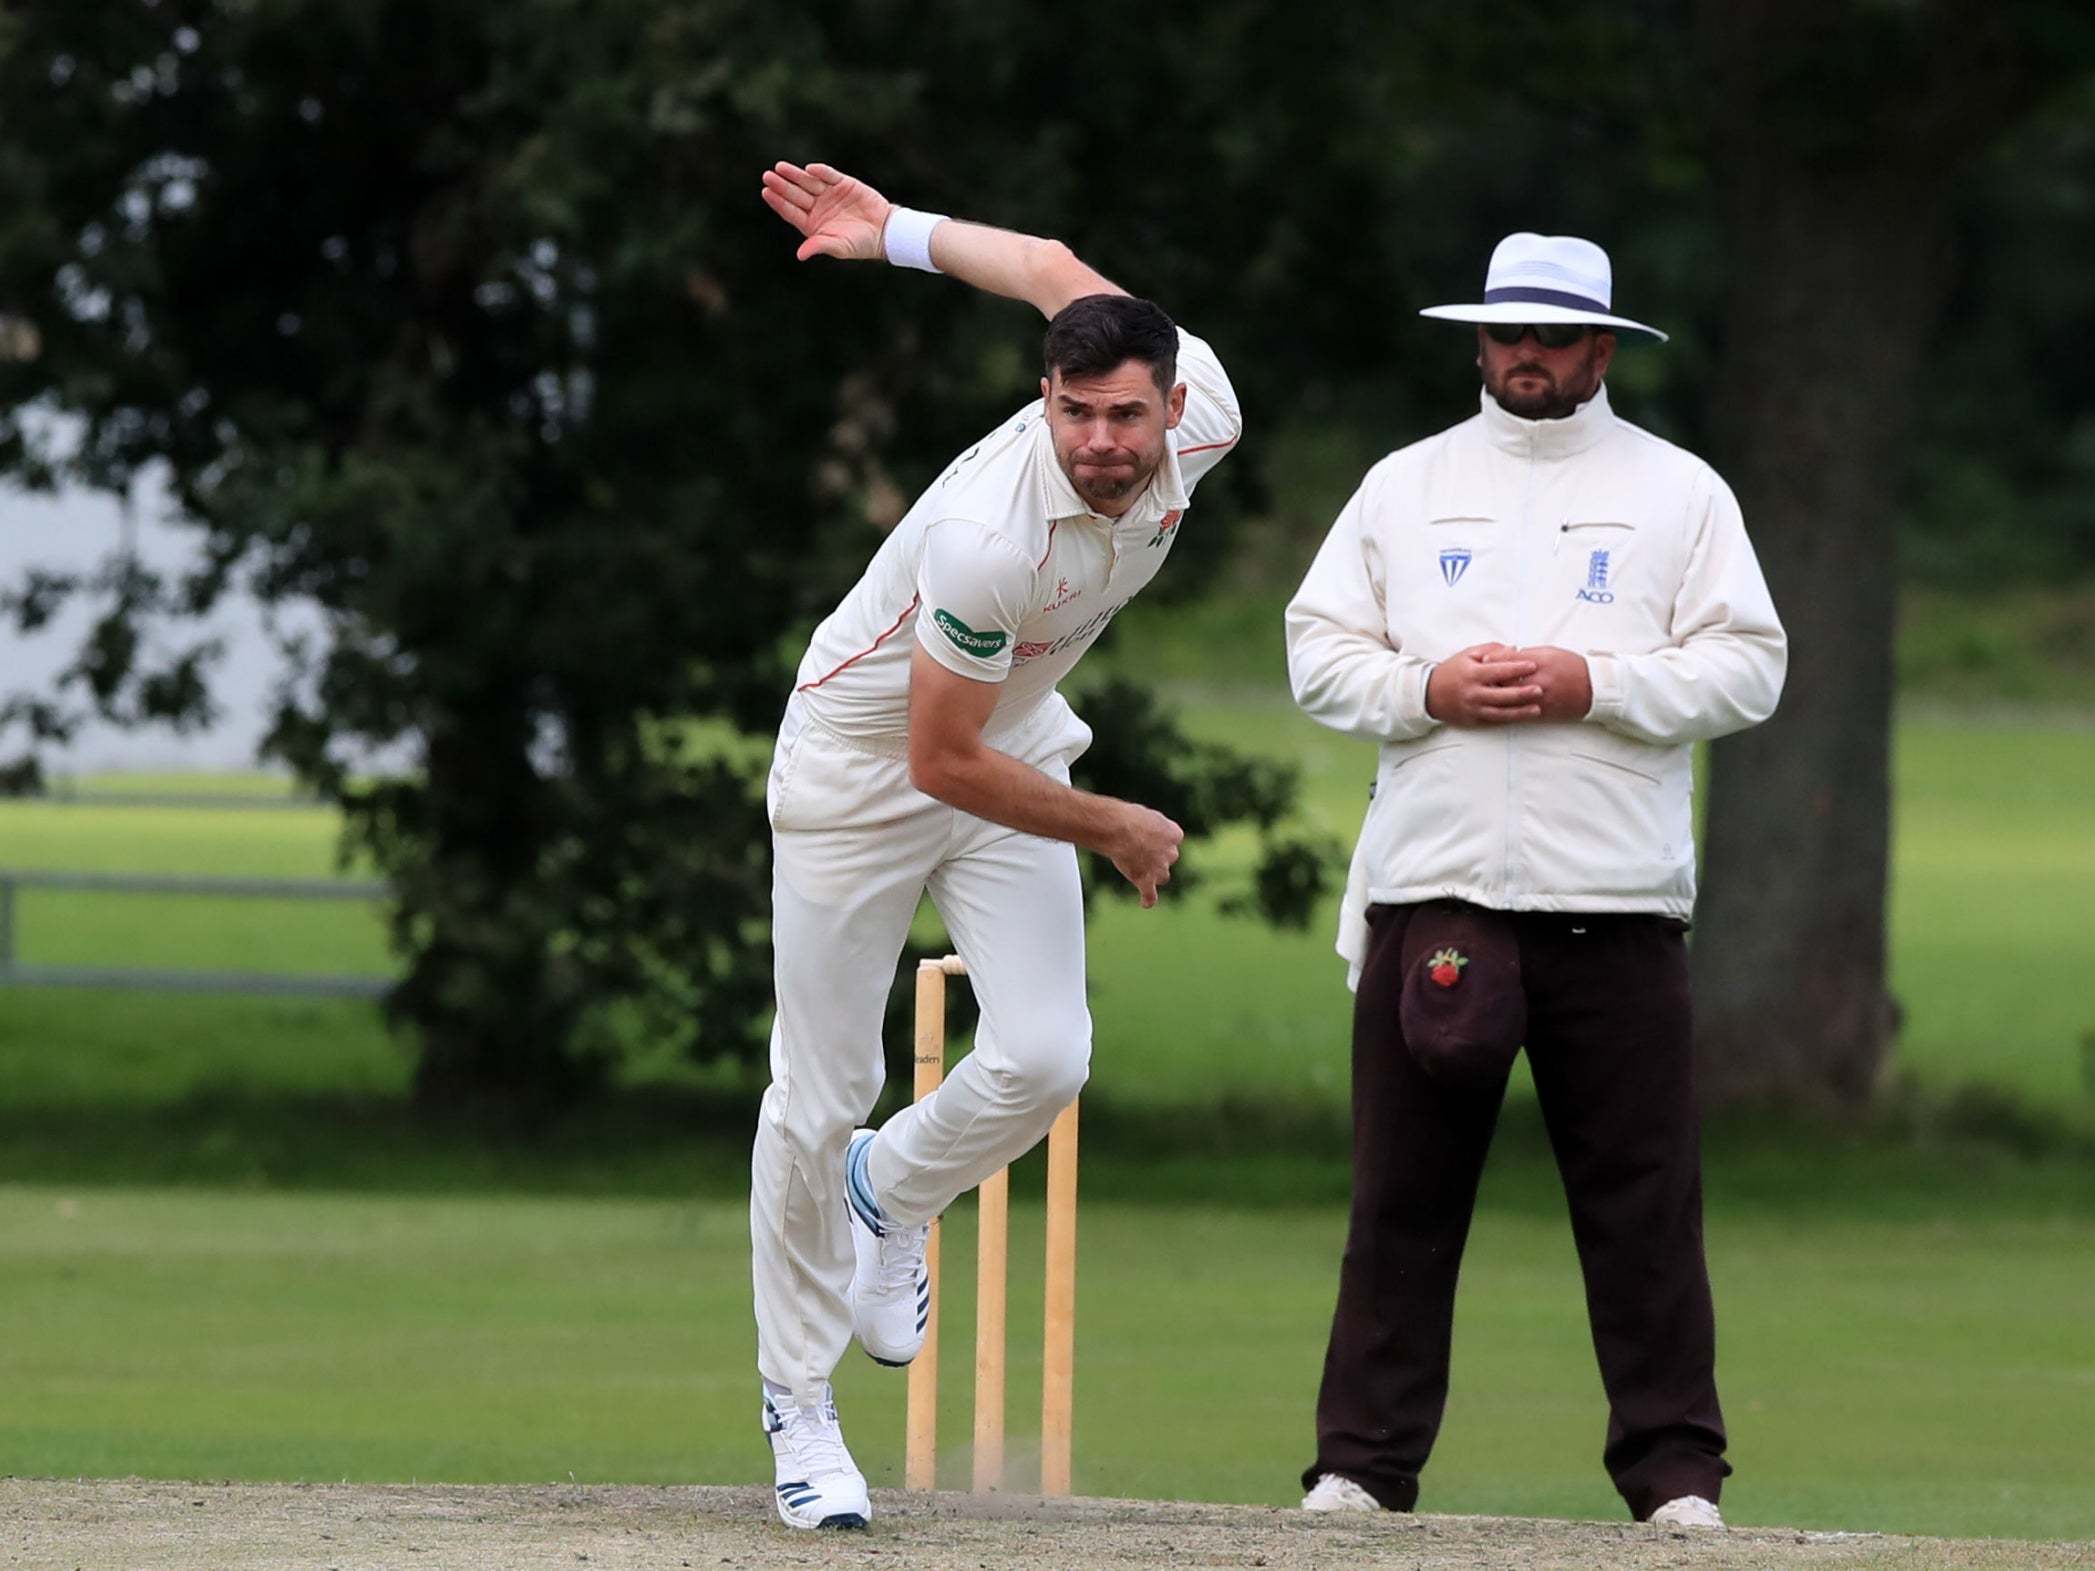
1604, 672
1412, 677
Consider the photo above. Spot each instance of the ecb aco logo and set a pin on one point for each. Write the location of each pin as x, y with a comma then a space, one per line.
1453, 564
1597, 591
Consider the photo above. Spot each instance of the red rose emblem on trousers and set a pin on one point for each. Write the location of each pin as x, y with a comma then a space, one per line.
1446, 966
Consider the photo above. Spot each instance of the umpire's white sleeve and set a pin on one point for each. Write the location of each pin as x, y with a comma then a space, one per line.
1347, 669
1724, 670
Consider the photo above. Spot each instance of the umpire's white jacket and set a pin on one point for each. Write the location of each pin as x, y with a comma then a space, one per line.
1586, 533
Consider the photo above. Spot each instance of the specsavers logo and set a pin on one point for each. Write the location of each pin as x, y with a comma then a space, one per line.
982, 646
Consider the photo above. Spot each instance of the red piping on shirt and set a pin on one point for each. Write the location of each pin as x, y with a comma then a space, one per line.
907, 612
1206, 447
1037, 566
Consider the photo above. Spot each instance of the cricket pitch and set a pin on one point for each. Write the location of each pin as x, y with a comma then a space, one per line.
134, 1525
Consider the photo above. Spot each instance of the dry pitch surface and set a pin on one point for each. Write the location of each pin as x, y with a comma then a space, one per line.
127, 1525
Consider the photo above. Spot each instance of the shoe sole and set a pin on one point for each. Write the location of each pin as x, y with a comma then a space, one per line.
841, 1521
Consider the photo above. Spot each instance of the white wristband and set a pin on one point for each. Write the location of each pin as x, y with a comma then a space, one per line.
907, 238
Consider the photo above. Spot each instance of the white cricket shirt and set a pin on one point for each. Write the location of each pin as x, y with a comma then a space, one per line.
1003, 573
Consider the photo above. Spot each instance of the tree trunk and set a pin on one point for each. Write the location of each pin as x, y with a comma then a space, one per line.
1836, 150
488, 997
1828, 321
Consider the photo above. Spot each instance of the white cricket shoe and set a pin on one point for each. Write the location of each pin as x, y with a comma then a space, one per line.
818, 1483
890, 1288
1333, 1493
1687, 1511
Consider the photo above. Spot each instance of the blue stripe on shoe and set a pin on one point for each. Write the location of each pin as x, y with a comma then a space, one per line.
859, 1189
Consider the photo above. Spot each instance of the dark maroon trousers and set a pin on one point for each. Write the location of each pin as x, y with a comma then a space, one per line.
1608, 1042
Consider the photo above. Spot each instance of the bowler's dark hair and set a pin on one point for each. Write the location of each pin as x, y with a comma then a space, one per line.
1095, 334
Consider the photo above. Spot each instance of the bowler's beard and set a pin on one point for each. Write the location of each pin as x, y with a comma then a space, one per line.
1551, 401
1108, 487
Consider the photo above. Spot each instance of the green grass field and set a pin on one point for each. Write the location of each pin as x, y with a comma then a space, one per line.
1910, 1376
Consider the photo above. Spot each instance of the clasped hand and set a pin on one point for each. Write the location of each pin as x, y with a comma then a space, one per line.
1496, 684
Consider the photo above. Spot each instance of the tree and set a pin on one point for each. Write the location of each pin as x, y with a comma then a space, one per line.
463, 324
1839, 135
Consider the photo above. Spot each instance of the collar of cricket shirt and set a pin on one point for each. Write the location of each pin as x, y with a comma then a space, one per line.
1548, 439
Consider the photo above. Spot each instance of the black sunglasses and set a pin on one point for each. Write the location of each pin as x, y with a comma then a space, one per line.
1550, 335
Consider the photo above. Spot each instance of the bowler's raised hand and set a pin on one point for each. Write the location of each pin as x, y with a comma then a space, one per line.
841, 217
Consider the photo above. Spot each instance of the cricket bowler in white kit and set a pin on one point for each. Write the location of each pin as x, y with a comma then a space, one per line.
926, 747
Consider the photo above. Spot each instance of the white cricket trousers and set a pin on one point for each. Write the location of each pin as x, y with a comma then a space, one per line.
855, 846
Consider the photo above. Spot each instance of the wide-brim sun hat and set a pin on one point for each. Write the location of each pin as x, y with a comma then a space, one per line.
1545, 278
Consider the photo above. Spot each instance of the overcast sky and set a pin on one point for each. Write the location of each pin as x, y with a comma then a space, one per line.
78, 530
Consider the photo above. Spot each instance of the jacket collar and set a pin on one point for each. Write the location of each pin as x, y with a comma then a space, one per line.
1545, 439
1059, 499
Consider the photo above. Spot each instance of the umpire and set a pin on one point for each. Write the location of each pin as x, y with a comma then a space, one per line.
1536, 613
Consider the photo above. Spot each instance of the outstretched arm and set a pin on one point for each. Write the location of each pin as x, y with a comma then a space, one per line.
845, 218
